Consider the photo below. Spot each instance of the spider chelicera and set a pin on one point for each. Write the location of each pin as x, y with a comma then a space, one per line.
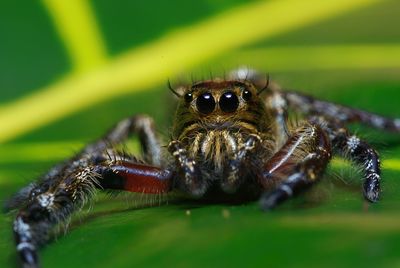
230, 136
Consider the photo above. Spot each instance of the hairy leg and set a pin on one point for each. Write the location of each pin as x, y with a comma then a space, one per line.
296, 166
279, 108
67, 186
232, 177
55, 203
143, 126
358, 151
310, 105
332, 120
187, 169
140, 124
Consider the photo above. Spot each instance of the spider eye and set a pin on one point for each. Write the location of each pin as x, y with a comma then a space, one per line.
205, 103
246, 95
188, 97
228, 102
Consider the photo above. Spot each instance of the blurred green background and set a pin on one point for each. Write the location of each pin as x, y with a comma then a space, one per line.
351, 57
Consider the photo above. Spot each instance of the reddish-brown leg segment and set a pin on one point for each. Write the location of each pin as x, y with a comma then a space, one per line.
68, 186
136, 177
55, 203
296, 166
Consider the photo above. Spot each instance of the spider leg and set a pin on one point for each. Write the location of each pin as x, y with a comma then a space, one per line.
22, 196
276, 101
73, 189
310, 105
67, 186
357, 150
187, 169
140, 124
135, 177
296, 166
232, 177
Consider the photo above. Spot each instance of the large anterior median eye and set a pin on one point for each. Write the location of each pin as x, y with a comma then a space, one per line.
205, 103
228, 102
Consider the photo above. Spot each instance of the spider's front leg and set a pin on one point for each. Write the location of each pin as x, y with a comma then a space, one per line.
56, 204
143, 126
68, 186
140, 124
187, 169
296, 166
232, 174
358, 151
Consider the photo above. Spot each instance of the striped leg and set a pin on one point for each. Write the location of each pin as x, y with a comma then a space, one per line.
299, 163
279, 106
32, 189
50, 205
67, 186
309, 105
360, 152
187, 169
55, 205
232, 177
135, 177
140, 124
143, 126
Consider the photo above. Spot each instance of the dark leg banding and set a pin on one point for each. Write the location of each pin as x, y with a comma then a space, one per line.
312, 106
69, 185
298, 165
232, 177
187, 169
358, 151
56, 204
141, 125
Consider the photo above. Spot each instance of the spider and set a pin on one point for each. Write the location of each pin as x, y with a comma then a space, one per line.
230, 137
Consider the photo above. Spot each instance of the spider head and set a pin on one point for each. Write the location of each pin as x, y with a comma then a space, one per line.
219, 104
219, 97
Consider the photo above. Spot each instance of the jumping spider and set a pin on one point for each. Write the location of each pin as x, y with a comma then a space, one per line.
229, 136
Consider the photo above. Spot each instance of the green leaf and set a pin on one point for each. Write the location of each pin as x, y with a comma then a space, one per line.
330, 226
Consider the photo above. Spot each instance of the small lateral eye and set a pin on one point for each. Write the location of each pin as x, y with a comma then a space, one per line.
188, 97
205, 103
246, 95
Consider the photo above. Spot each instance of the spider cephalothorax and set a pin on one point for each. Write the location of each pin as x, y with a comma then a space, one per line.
229, 135
221, 124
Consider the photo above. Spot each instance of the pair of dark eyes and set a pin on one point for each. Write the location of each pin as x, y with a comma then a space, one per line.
228, 102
